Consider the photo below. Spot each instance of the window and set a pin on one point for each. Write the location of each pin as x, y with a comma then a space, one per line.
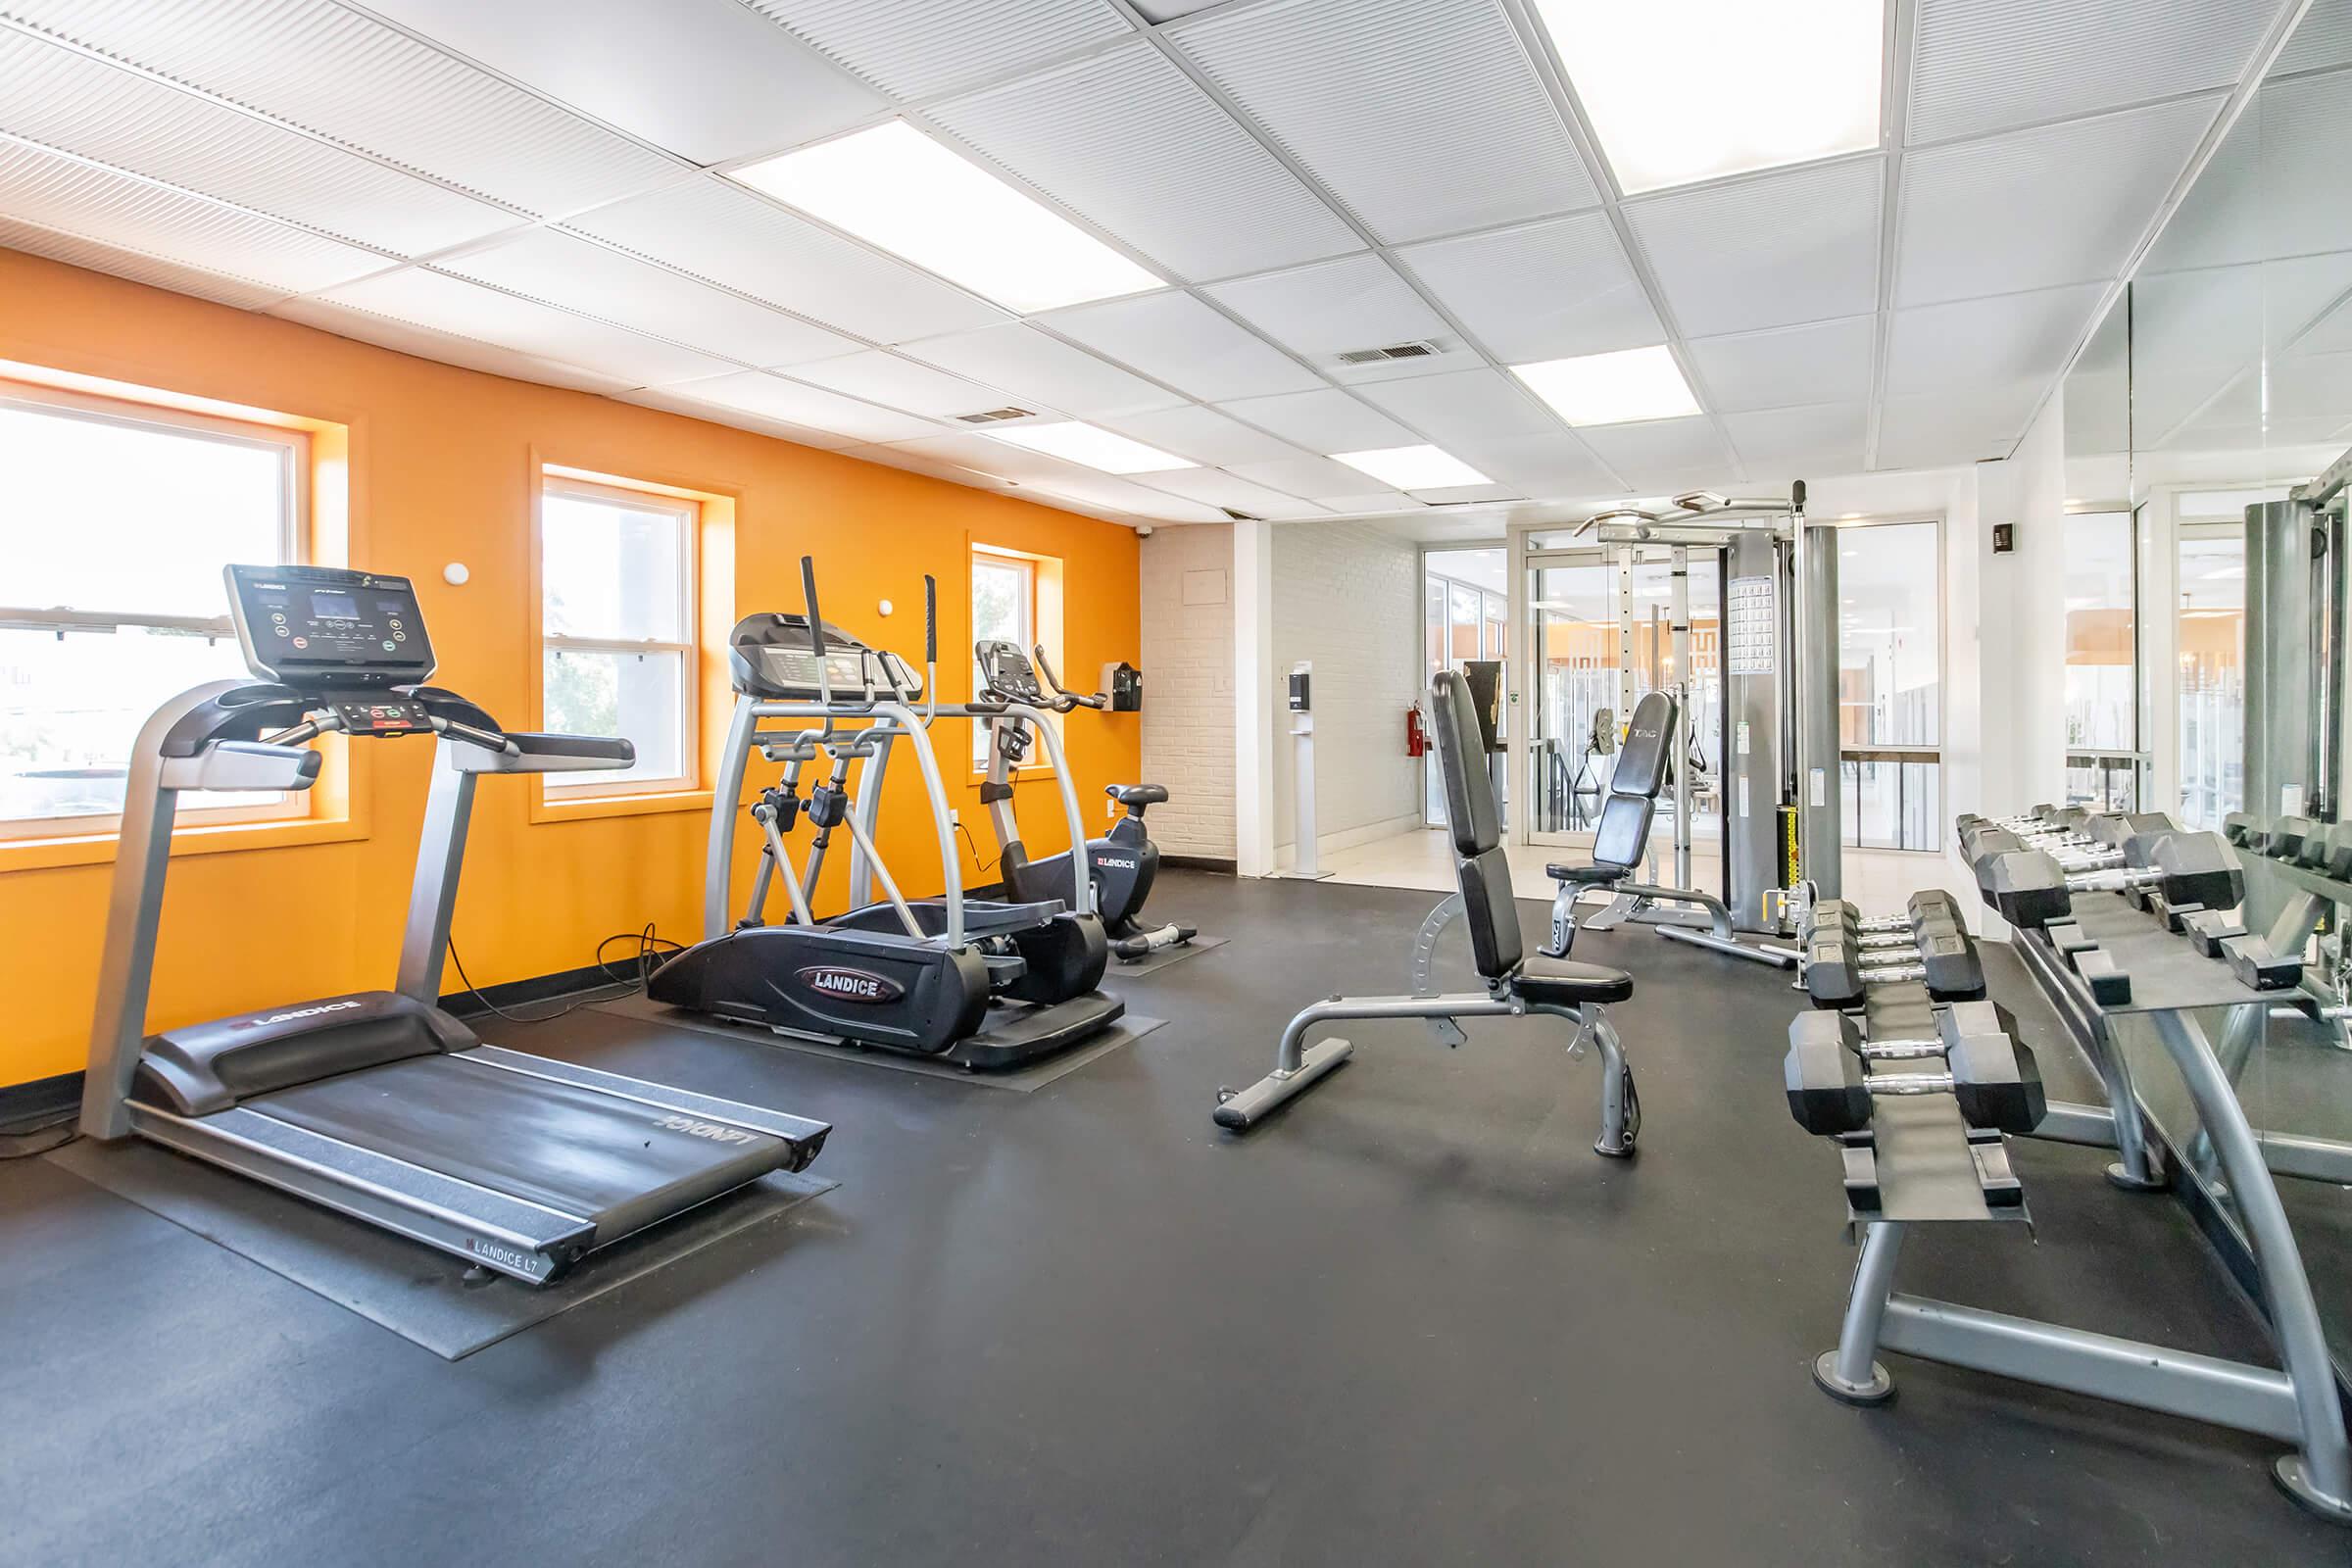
1003, 609
2102, 662
115, 519
617, 585
2211, 637
1890, 683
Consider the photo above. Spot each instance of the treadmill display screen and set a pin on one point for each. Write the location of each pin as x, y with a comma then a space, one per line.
323, 625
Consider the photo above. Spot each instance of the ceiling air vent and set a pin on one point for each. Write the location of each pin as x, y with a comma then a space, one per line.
994, 416
1394, 351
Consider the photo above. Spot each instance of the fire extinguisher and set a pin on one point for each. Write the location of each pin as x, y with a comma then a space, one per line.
1416, 739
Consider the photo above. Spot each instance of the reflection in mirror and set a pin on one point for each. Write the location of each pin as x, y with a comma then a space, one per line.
2219, 382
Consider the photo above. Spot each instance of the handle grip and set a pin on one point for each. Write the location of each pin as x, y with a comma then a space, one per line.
816, 624
930, 619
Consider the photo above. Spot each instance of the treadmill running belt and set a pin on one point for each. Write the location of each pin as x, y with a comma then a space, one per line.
616, 1163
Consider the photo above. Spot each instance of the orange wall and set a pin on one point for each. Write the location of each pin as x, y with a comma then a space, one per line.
442, 468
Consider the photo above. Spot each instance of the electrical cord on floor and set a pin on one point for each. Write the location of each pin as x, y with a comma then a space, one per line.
38, 1140
650, 947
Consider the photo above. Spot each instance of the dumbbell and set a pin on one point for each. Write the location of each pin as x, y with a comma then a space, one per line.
2330, 854
1924, 907
1996, 1080
2031, 888
1838, 972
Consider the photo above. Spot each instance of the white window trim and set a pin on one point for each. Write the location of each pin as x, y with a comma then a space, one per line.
293, 533
1006, 560
590, 785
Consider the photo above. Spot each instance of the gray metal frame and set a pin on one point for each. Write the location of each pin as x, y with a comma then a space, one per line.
1298, 1066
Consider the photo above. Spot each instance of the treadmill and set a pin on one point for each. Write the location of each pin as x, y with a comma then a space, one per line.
378, 1104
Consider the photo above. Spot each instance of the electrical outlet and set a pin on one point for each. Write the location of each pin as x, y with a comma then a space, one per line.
955, 817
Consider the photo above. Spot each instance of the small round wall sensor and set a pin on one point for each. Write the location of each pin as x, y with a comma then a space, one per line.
454, 573
885, 606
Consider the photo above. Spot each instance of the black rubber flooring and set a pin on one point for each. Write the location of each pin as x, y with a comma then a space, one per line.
1414, 1319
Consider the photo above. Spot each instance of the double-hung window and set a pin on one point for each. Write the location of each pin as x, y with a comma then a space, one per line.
116, 519
616, 620
1003, 609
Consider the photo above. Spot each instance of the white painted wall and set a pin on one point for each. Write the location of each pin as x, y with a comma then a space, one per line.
1185, 586
1348, 597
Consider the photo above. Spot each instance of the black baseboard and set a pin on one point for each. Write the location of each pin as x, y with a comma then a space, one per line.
1196, 862
538, 988
26, 1107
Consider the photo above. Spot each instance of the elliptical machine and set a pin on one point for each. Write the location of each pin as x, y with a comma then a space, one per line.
1121, 864
987, 984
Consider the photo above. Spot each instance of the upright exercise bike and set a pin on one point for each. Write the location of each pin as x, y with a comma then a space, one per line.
1122, 864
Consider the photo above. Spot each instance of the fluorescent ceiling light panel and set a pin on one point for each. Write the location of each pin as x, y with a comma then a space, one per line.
1421, 467
1612, 388
1096, 448
1705, 88
895, 187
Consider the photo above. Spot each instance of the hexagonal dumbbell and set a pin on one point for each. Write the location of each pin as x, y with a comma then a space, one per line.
1839, 971
1994, 1080
2031, 888
1926, 907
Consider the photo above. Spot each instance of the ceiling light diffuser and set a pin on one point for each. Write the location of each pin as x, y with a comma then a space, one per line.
1096, 448
898, 188
1422, 468
1612, 388
1703, 88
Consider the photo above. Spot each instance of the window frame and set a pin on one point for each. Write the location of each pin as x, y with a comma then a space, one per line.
664, 501
1853, 759
997, 559
294, 548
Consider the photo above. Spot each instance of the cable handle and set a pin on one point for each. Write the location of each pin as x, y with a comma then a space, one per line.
816, 636
1063, 698
930, 619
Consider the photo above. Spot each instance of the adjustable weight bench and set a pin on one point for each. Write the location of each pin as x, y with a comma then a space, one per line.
1517, 983
1620, 840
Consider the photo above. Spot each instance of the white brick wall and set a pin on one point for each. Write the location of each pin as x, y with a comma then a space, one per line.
1187, 593
1347, 596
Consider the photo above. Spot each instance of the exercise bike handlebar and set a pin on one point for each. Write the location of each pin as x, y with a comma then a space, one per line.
1065, 699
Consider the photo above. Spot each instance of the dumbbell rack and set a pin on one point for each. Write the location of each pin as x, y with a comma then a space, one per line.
2298, 1405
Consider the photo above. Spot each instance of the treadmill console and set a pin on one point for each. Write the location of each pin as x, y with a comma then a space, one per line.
329, 628
1008, 672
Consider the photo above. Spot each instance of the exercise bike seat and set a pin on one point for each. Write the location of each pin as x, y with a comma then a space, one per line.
1567, 983
1596, 875
1134, 795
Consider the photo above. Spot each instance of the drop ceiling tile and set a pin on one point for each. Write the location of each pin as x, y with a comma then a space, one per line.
899, 383
105, 112
669, 401
1424, 117
2322, 39
1465, 408
2062, 204
1000, 460
1553, 467
2307, 385
1373, 503
915, 462
846, 420
1662, 455
1128, 140
1772, 251
1033, 366
1175, 338
2331, 333
707, 79
2279, 185
468, 310
355, 80
1115, 494
1455, 495
73, 198
2016, 337
1827, 361
1205, 435
728, 235
1324, 421
1214, 488
1983, 65
1170, 9
1321, 310
153, 270
1799, 443
578, 274
446, 348
1941, 429
1314, 478
1541, 292
918, 48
